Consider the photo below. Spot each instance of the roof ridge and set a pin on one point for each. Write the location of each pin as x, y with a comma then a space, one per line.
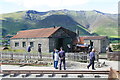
33, 33
38, 29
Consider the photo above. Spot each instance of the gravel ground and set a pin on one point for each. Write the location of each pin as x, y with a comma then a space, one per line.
70, 65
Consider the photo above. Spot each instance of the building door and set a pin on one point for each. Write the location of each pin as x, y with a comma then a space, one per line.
60, 43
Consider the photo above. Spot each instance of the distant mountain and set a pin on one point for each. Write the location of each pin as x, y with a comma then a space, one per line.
87, 22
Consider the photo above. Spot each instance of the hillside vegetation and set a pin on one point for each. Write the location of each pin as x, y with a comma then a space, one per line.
87, 22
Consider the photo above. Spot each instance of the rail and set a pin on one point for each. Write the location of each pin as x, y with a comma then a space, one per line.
54, 72
112, 74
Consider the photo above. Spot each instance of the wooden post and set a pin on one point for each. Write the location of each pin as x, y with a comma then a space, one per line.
11, 55
97, 56
25, 56
74, 56
0, 67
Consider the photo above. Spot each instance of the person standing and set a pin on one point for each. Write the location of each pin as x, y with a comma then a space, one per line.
68, 48
62, 58
29, 48
28, 56
55, 58
90, 46
92, 59
109, 49
39, 52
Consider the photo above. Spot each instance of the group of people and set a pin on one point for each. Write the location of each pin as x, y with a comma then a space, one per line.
59, 56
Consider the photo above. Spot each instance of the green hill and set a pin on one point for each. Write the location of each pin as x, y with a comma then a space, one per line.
87, 22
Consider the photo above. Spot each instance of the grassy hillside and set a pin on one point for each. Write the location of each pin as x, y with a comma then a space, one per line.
15, 15
87, 22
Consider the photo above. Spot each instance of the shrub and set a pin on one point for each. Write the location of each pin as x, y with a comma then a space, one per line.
116, 47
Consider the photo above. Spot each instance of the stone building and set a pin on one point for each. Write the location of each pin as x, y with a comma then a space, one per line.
99, 42
49, 38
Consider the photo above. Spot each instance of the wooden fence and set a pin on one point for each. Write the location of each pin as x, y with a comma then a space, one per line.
113, 55
35, 56
21, 56
80, 56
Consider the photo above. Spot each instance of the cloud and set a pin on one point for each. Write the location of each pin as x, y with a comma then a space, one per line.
11, 0
74, 2
18, 2
34, 3
45, 5
49, 3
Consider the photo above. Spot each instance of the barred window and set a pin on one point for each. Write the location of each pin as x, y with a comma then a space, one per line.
31, 44
23, 44
16, 44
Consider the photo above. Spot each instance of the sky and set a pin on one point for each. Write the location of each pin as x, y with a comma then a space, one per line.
106, 6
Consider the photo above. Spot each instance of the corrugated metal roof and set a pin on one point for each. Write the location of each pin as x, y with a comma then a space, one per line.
92, 37
80, 40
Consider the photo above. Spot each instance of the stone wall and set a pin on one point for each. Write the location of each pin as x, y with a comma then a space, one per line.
96, 44
113, 56
52, 44
99, 44
47, 43
43, 41
104, 44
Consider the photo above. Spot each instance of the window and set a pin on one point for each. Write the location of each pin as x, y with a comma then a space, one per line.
16, 44
31, 44
23, 44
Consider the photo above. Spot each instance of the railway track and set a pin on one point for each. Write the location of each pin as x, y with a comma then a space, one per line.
57, 74
54, 72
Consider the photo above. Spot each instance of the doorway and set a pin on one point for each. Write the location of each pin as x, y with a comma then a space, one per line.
60, 43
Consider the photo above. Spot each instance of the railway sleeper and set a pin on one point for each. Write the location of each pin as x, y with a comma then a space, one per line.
40, 75
51, 75
11, 75
4, 75
66, 75
97, 76
26, 75
14, 75
80, 76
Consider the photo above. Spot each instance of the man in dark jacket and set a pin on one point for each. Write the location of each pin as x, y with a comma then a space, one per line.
92, 59
28, 56
29, 48
62, 58
39, 51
